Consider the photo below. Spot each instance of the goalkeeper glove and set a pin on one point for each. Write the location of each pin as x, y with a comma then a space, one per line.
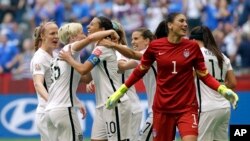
115, 97
229, 95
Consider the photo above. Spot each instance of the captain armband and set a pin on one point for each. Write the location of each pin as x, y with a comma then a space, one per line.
93, 59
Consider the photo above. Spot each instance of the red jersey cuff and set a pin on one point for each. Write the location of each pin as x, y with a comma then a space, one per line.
136, 75
210, 81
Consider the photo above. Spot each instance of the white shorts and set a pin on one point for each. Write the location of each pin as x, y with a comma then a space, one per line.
63, 125
213, 125
120, 123
146, 131
41, 124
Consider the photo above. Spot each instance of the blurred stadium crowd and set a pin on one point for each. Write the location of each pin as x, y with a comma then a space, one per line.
228, 19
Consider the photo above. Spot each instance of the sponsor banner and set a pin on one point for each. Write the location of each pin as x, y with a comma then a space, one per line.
17, 114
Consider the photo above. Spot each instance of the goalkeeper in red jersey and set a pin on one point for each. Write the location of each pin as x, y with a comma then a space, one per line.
175, 103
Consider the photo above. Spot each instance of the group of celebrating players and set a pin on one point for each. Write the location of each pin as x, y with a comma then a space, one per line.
188, 82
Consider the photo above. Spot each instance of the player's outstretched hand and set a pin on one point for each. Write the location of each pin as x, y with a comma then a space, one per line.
229, 95
107, 43
115, 97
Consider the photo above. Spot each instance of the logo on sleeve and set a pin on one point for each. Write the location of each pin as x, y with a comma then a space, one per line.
186, 53
37, 67
161, 53
97, 52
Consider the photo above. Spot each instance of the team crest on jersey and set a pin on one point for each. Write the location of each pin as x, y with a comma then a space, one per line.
97, 52
37, 67
186, 53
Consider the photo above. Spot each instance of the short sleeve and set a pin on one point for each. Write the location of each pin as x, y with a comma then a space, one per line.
148, 57
120, 56
75, 54
102, 52
38, 67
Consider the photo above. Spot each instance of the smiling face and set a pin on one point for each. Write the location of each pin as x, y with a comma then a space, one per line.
178, 26
138, 42
50, 35
94, 26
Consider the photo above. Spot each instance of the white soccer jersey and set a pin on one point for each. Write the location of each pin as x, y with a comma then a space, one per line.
105, 75
209, 99
149, 80
62, 92
131, 93
40, 64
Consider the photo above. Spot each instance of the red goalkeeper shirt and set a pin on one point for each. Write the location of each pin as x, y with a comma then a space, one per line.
175, 90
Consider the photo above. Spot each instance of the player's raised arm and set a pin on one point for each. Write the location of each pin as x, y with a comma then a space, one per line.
211, 82
68, 34
83, 69
123, 49
92, 38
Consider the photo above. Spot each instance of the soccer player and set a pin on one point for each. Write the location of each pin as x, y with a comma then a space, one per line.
113, 124
63, 121
214, 109
46, 40
175, 102
125, 70
141, 38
